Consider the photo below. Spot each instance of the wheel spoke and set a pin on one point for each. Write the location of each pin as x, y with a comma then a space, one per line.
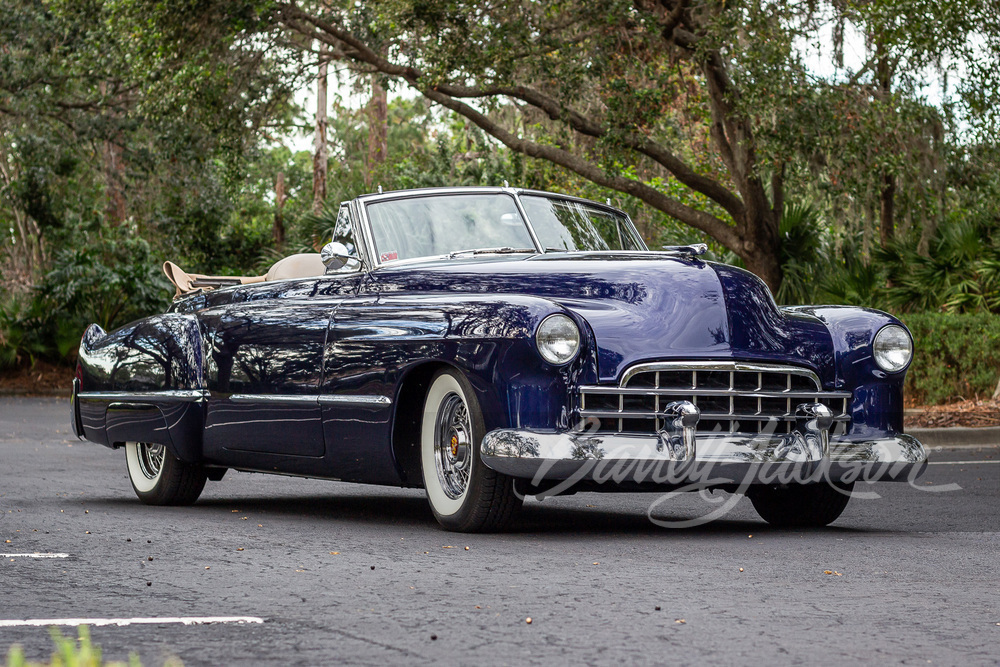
150, 458
451, 444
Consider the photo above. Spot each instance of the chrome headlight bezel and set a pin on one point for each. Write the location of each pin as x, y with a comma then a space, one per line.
558, 339
892, 348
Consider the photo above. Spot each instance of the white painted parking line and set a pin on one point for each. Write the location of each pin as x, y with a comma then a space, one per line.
959, 463
183, 620
34, 555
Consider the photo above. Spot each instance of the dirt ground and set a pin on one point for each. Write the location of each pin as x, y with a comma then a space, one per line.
44, 379
965, 413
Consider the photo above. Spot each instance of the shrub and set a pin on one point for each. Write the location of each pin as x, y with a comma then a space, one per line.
111, 281
956, 356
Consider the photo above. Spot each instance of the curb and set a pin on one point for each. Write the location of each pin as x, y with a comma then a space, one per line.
957, 436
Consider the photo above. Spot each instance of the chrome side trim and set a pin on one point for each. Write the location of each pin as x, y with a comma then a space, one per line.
718, 366
273, 398
362, 399
164, 396
330, 399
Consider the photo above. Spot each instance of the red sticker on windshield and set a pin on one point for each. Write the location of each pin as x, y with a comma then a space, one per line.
389, 256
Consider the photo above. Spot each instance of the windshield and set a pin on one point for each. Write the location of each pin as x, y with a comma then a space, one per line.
443, 224
563, 224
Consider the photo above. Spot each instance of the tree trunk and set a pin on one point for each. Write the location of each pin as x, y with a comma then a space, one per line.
114, 168
320, 155
378, 131
887, 189
761, 251
887, 205
279, 219
115, 211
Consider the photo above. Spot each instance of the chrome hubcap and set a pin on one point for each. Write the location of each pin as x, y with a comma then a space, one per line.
452, 439
150, 459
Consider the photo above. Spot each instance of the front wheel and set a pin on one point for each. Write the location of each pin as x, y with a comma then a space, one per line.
160, 478
464, 494
800, 506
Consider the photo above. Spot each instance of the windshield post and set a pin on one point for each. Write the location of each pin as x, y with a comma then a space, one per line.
527, 220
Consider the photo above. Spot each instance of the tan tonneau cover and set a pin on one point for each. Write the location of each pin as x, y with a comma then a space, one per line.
187, 283
302, 265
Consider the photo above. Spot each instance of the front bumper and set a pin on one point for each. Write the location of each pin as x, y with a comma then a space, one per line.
699, 461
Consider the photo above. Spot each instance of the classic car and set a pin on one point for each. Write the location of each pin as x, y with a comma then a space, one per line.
491, 343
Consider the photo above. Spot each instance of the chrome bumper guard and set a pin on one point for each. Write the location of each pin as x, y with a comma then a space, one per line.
678, 456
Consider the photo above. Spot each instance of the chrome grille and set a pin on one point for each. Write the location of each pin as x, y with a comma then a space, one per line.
732, 397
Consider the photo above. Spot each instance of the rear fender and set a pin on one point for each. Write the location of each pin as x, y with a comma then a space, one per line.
144, 382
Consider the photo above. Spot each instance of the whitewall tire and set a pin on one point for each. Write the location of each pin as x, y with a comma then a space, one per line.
463, 493
160, 478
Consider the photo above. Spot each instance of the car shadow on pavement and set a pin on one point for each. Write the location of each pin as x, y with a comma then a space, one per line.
392, 509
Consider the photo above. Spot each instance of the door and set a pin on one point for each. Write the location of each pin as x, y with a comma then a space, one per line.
264, 371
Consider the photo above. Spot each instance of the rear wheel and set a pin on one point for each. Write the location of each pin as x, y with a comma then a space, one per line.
464, 494
160, 478
802, 505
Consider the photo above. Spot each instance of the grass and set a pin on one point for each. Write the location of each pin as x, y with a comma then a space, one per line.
69, 653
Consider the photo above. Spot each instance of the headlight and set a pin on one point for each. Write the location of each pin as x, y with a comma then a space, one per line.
893, 348
557, 339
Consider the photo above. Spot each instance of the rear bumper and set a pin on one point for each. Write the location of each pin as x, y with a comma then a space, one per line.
74, 405
723, 459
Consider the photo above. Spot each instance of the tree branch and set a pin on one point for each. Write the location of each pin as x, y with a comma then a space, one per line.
337, 36
705, 222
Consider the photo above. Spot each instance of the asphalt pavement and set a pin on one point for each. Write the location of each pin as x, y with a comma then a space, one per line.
322, 572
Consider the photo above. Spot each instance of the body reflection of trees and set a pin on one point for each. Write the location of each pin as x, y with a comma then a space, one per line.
154, 354
510, 443
587, 448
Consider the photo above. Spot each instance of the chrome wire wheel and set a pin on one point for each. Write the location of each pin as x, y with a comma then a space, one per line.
452, 440
464, 494
150, 459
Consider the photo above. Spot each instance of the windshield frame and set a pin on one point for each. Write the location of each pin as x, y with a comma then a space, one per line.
375, 262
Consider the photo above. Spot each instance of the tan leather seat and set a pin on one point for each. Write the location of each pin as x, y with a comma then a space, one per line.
303, 265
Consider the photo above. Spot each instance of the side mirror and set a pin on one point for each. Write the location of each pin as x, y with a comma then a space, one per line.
335, 256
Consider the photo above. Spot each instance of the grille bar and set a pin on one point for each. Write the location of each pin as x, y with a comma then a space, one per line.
626, 414
644, 391
732, 396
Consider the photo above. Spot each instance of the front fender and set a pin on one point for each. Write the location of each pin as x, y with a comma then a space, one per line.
877, 407
490, 338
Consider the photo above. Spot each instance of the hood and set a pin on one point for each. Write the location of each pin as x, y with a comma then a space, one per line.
644, 307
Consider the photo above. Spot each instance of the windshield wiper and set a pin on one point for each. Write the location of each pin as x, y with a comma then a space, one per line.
505, 250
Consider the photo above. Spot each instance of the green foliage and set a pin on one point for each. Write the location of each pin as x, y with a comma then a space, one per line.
111, 281
960, 273
69, 653
804, 253
23, 326
956, 356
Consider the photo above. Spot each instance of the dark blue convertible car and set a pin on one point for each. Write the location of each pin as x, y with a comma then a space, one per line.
488, 343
